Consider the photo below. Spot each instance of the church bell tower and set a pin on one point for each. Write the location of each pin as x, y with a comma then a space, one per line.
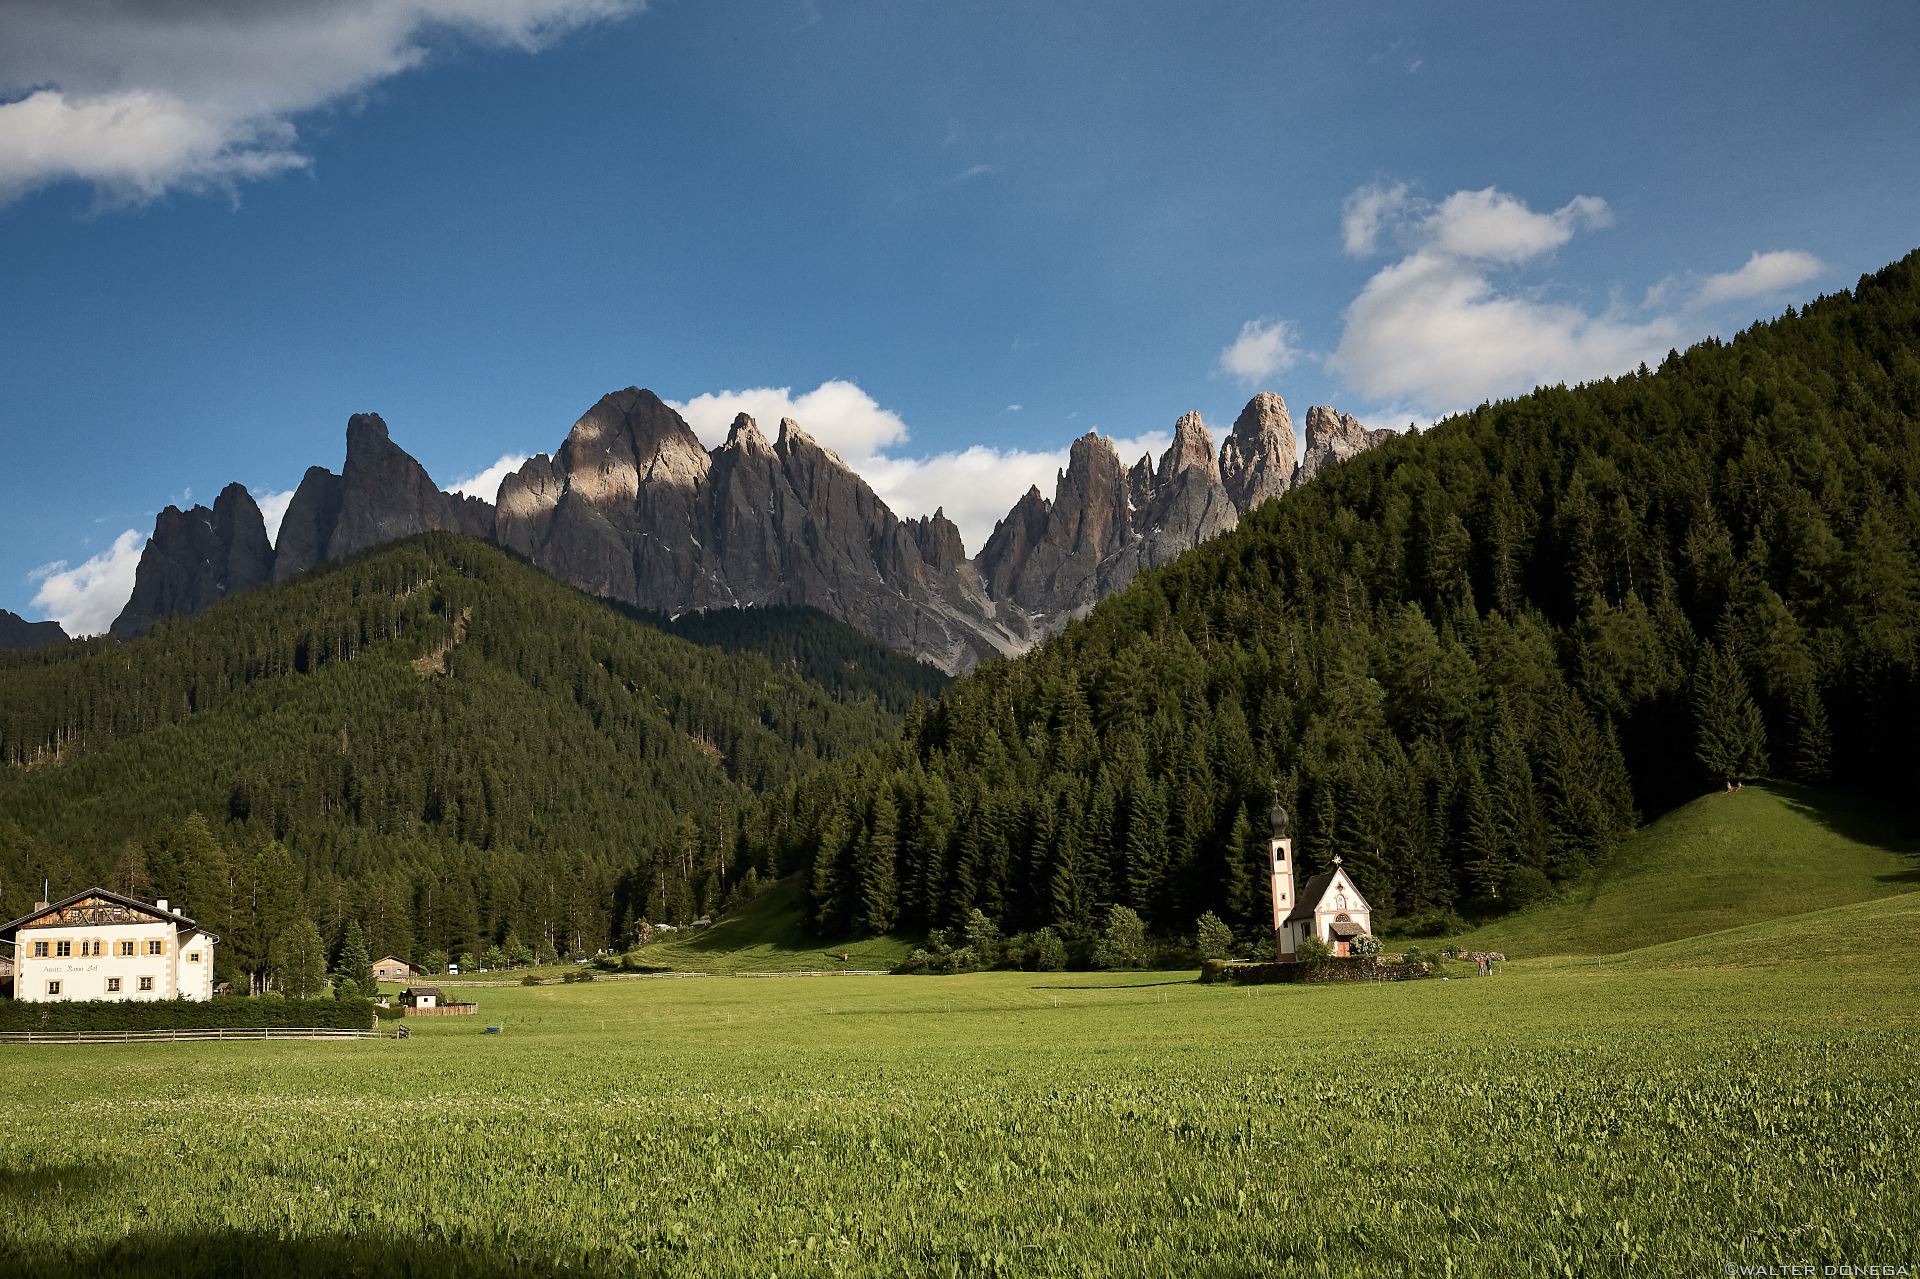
1280, 863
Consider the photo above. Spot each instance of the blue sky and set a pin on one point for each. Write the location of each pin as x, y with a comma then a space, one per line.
950, 238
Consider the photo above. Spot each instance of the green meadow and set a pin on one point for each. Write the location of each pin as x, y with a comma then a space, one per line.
1741, 1096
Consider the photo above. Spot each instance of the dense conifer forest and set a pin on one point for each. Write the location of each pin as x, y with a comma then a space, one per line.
1468, 661
808, 643
432, 739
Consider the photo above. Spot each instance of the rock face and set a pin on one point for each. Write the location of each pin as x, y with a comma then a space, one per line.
1257, 460
632, 507
17, 632
196, 558
1334, 437
1055, 560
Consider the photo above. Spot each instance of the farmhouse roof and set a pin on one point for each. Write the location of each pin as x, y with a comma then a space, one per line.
394, 959
421, 990
8, 929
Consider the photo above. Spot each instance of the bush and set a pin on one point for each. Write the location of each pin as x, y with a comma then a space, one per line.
1047, 954
1123, 942
983, 939
224, 1012
1212, 938
529, 980
1527, 886
577, 975
388, 1012
1313, 952
1366, 946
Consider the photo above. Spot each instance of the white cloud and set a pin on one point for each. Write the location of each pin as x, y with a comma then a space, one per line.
1443, 328
86, 598
1264, 348
1764, 273
273, 510
973, 171
139, 98
1368, 211
485, 484
1492, 226
837, 413
1438, 333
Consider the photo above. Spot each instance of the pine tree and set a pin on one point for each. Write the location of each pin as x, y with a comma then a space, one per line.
297, 961
1147, 850
1730, 736
879, 884
353, 969
1812, 737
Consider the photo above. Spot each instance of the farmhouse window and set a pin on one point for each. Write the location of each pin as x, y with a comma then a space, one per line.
146, 983
193, 957
113, 985
154, 947
53, 988
63, 949
126, 949
39, 950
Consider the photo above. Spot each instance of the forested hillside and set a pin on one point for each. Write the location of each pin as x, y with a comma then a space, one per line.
433, 738
1469, 660
808, 643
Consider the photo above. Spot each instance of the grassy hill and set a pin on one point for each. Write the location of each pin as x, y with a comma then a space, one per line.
769, 934
1722, 862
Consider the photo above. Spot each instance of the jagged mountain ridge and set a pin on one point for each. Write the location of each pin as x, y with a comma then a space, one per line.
634, 508
16, 632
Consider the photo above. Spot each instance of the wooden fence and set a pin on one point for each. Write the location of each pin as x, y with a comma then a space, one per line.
186, 1036
440, 1010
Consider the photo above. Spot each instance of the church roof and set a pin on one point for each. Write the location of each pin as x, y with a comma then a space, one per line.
1310, 896
1315, 890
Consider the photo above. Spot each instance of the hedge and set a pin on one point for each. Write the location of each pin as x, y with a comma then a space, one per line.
1344, 968
226, 1012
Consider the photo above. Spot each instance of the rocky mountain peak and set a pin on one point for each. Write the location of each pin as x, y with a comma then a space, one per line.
1333, 436
195, 558
1192, 447
1257, 460
744, 435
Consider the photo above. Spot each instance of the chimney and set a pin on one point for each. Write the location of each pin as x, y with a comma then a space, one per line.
161, 905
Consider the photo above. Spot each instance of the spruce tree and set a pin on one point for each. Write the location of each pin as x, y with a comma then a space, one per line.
1730, 736
879, 883
353, 970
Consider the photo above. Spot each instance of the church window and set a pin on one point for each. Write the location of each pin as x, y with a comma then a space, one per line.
53, 988
126, 949
146, 983
113, 985
63, 949
193, 957
154, 947
39, 950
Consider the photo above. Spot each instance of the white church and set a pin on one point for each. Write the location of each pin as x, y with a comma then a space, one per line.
99, 944
1329, 906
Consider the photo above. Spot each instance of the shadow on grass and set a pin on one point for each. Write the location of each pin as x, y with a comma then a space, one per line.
62, 1183
252, 1255
1863, 818
1122, 985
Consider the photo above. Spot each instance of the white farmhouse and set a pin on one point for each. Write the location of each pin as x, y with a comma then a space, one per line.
102, 945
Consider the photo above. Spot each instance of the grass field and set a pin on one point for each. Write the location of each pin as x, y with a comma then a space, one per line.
1664, 1112
1745, 1096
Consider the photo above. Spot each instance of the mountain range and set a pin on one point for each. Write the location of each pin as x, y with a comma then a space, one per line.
633, 508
